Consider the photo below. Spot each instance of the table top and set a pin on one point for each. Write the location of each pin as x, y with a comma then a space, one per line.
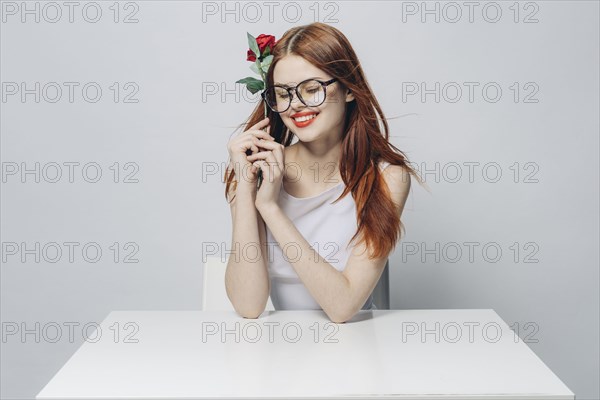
400, 354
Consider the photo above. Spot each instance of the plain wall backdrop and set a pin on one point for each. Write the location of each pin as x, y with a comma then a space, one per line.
507, 143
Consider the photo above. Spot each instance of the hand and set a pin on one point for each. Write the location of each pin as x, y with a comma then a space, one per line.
272, 162
245, 173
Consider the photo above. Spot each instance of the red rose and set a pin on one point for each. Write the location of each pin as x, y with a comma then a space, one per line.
263, 41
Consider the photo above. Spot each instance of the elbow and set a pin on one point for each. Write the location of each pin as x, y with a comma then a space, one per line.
343, 310
250, 314
338, 320
341, 316
246, 307
250, 311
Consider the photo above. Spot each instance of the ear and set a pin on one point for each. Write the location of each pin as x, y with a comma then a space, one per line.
349, 96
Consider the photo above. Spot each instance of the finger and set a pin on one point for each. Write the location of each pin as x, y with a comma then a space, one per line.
264, 167
260, 124
270, 167
272, 160
263, 135
261, 144
277, 151
261, 155
267, 144
280, 157
258, 165
276, 148
249, 144
266, 156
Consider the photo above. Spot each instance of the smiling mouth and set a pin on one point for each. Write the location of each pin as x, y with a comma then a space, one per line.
305, 118
304, 121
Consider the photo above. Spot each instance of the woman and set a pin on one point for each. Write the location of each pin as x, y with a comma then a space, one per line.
340, 181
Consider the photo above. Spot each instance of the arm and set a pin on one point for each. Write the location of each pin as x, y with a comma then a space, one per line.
340, 294
247, 280
327, 285
362, 272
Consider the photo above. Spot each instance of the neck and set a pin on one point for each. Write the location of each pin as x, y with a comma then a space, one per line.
318, 160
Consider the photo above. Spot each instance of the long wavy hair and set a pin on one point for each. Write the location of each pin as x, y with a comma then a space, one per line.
365, 136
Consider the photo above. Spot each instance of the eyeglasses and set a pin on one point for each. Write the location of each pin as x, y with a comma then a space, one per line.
311, 92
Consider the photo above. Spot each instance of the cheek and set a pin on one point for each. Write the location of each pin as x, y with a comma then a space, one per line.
335, 101
335, 106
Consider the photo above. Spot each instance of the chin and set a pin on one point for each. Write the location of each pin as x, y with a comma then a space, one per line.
306, 134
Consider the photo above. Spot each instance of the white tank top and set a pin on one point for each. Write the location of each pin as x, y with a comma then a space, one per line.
328, 228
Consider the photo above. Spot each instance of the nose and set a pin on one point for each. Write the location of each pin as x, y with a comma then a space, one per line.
295, 101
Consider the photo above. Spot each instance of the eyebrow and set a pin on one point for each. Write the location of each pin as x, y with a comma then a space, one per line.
312, 77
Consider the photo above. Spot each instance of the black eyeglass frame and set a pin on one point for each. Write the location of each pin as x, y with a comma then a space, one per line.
295, 89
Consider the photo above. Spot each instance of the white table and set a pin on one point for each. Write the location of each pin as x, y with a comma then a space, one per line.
181, 355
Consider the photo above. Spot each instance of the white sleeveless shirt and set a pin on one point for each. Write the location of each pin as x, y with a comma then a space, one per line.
328, 228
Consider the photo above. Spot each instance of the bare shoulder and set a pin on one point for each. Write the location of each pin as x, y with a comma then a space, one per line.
398, 180
397, 176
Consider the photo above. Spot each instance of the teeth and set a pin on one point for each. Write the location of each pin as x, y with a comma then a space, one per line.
305, 117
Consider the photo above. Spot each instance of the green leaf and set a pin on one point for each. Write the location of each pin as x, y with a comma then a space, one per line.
255, 66
266, 63
267, 51
248, 79
253, 45
252, 84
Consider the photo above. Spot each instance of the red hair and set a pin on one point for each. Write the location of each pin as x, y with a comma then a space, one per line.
365, 142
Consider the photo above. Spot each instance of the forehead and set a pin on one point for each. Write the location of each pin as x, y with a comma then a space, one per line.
293, 69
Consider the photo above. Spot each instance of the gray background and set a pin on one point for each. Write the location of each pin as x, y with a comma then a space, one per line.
179, 129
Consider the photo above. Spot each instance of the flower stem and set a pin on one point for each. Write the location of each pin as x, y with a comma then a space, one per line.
265, 128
